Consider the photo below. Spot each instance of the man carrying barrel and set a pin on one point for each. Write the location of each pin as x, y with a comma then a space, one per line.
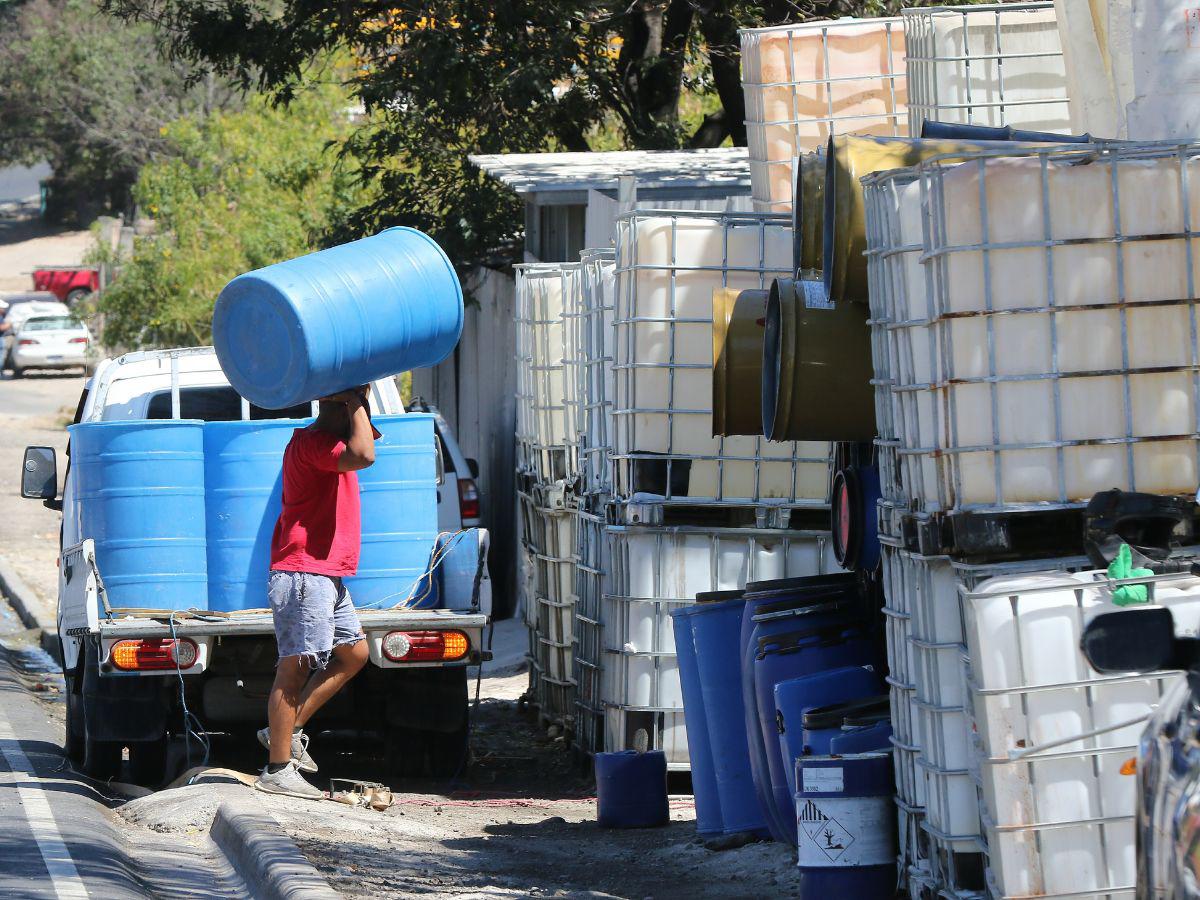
316, 544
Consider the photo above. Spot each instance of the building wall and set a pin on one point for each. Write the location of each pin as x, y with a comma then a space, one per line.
475, 389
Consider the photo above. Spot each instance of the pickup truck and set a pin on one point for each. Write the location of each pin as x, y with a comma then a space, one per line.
69, 284
418, 706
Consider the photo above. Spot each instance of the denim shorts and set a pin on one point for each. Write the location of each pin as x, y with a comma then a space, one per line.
313, 614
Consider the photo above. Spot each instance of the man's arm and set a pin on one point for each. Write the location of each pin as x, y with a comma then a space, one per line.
360, 446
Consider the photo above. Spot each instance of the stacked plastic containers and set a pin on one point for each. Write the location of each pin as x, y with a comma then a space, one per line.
804, 83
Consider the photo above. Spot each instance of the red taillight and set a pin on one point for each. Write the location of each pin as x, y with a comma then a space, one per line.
79, 340
425, 646
468, 498
154, 653
26, 342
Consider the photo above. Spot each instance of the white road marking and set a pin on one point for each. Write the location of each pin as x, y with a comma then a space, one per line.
63, 874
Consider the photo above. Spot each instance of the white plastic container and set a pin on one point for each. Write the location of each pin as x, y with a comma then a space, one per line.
635, 729
805, 82
1031, 375
992, 65
543, 425
594, 370
1132, 68
667, 266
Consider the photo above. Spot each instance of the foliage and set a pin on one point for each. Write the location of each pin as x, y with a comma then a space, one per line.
90, 95
235, 191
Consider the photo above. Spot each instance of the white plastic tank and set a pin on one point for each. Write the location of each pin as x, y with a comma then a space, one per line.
805, 82
543, 291
596, 377
1061, 818
1054, 362
653, 570
992, 65
667, 265
1133, 71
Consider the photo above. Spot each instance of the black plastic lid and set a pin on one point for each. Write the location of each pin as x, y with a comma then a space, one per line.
718, 596
864, 711
799, 584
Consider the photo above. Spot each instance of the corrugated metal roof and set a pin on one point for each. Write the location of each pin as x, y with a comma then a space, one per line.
536, 172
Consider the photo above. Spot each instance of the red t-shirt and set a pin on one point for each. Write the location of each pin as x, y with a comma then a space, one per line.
320, 527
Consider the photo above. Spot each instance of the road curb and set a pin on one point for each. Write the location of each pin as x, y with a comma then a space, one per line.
20, 597
263, 854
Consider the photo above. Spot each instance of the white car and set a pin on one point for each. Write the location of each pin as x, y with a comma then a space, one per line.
49, 342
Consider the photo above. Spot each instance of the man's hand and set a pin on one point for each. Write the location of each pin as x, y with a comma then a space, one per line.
360, 446
352, 396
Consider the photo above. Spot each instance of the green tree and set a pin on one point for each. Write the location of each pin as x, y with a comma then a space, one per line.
447, 78
234, 191
90, 95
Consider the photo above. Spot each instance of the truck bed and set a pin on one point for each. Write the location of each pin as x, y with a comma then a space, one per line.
260, 623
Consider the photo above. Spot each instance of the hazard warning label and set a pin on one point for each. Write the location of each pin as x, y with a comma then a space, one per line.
850, 832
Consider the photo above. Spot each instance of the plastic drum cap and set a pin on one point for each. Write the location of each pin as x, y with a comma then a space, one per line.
318, 324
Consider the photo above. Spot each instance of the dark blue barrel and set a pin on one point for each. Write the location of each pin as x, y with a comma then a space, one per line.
243, 484
950, 131
140, 490
765, 595
821, 724
399, 517
709, 818
855, 494
715, 626
321, 323
846, 826
631, 789
863, 739
795, 698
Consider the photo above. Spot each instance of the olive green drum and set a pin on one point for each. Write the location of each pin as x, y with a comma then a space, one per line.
808, 211
737, 332
847, 159
816, 382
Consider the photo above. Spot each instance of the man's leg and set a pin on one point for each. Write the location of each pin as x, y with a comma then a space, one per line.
347, 661
283, 704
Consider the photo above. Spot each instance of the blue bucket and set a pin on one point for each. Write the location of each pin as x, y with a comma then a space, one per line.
846, 826
631, 789
140, 489
795, 698
715, 627
709, 818
318, 324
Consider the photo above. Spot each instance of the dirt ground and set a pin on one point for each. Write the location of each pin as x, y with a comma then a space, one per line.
25, 243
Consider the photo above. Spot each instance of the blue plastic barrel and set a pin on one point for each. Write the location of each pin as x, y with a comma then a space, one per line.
795, 699
821, 724
953, 131
764, 595
631, 789
243, 485
846, 826
321, 323
715, 626
399, 517
863, 739
140, 490
709, 816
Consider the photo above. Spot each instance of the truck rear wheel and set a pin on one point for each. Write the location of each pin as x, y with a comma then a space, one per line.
75, 724
420, 753
148, 762
101, 759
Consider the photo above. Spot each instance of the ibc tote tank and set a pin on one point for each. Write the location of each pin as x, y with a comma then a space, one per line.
141, 499
318, 324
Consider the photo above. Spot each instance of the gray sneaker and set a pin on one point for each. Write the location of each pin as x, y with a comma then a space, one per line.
287, 781
299, 749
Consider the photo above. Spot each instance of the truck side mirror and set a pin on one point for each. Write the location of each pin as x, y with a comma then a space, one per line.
1137, 640
473, 465
39, 474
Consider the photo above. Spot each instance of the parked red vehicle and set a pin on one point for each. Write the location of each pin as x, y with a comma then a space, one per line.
69, 284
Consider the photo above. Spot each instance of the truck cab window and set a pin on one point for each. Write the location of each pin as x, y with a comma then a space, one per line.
216, 404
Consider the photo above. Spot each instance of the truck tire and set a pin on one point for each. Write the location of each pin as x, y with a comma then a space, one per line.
436, 698
148, 762
76, 295
73, 744
420, 753
101, 759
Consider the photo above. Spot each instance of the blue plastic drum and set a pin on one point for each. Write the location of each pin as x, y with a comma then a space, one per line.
140, 490
775, 599
822, 724
321, 323
709, 818
796, 697
243, 486
846, 826
716, 626
399, 517
631, 789
863, 739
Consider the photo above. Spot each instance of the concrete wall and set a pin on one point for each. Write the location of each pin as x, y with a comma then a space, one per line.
475, 389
